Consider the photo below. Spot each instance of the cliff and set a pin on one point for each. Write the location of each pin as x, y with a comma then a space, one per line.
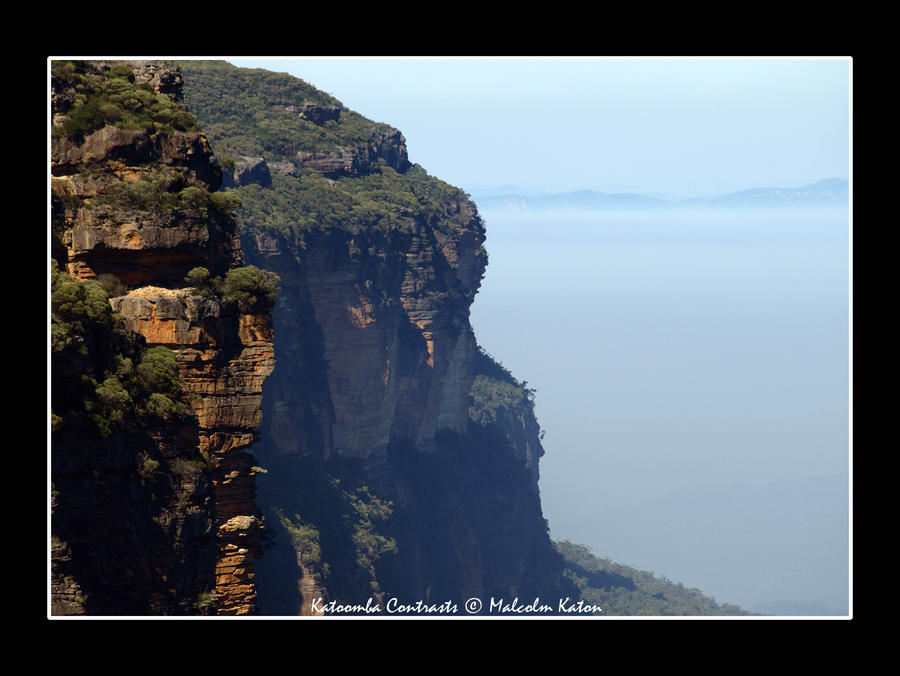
387, 455
386, 477
156, 392
386, 460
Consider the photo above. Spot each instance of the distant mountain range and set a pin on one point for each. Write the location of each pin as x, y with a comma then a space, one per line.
829, 192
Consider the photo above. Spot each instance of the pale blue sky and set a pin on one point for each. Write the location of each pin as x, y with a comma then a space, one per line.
689, 127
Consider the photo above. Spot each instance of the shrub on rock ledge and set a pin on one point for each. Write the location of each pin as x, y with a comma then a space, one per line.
254, 290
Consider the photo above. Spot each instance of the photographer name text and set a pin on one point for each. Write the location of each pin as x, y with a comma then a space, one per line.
472, 606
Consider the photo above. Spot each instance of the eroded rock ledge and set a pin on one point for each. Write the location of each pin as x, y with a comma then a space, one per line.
224, 357
138, 204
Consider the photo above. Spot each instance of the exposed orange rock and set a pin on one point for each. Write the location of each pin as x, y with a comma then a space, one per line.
227, 398
224, 355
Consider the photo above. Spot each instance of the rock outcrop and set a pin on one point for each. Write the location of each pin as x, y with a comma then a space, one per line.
248, 170
504, 405
392, 327
316, 113
382, 148
138, 206
224, 359
110, 230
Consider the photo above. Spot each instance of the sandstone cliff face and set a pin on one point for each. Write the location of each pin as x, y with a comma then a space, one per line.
376, 364
115, 189
224, 359
138, 245
137, 204
389, 148
381, 479
392, 326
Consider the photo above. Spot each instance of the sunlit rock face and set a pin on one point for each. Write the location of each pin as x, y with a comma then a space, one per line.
224, 357
135, 204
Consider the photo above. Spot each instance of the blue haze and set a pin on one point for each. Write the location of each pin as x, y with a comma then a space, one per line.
691, 367
692, 376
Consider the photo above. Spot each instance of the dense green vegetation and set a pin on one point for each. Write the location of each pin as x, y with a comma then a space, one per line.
495, 387
249, 112
162, 190
245, 113
385, 199
623, 590
103, 378
113, 98
489, 394
251, 289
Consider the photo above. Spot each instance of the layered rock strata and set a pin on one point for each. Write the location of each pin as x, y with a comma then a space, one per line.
388, 148
224, 358
409, 494
393, 334
139, 245
137, 204
376, 363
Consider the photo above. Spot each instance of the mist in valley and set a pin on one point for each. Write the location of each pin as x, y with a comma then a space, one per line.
692, 377
691, 364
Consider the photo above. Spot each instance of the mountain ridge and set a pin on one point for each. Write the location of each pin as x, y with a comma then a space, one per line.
829, 192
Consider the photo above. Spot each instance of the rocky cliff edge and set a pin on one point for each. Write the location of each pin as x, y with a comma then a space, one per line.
133, 184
